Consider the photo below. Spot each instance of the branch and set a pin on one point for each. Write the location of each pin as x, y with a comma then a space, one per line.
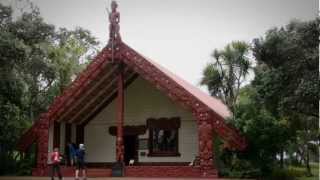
220, 66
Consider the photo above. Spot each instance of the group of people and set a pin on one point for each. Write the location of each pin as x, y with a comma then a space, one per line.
76, 157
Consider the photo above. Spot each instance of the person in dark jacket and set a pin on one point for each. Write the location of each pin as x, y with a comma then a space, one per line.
72, 153
80, 154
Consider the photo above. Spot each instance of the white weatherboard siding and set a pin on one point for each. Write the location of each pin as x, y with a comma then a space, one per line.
50, 142
73, 133
142, 101
62, 136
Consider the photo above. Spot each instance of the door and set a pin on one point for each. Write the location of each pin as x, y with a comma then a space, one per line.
130, 148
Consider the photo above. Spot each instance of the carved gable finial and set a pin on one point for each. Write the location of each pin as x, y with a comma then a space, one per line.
114, 20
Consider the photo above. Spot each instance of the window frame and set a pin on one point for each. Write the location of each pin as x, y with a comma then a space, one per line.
164, 124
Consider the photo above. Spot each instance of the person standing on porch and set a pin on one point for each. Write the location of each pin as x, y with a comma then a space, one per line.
55, 159
72, 153
80, 154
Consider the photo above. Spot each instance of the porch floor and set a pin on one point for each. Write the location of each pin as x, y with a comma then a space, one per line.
101, 178
137, 172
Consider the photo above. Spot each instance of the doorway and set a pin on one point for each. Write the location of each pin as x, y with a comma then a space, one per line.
130, 148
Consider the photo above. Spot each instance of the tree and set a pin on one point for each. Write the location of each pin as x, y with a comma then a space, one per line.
278, 111
291, 55
266, 134
71, 53
287, 78
36, 64
225, 75
35, 68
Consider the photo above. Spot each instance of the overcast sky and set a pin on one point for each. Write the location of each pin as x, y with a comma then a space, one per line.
179, 34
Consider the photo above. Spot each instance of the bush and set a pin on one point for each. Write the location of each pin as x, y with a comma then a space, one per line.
249, 173
25, 167
7, 164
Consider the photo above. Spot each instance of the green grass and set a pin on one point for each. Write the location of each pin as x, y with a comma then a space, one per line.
314, 170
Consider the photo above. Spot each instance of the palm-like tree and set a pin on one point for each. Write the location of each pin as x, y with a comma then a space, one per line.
225, 75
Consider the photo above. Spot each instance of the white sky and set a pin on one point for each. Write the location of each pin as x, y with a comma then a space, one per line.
179, 34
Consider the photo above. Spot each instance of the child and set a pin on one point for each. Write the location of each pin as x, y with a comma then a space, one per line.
80, 154
55, 159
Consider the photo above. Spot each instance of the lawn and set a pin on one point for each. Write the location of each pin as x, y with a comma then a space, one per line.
314, 169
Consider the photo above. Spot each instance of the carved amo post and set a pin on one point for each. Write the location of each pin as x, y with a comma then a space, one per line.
120, 118
114, 39
42, 145
205, 131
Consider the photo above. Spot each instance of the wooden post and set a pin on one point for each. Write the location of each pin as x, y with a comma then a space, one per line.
42, 133
120, 117
205, 145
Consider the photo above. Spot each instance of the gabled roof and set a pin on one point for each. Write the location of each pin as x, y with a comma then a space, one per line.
95, 88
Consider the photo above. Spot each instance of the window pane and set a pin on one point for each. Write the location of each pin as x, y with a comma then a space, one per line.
165, 140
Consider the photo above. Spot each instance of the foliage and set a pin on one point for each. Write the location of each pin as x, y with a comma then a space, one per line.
36, 63
289, 55
225, 75
287, 80
28, 162
266, 134
278, 110
70, 53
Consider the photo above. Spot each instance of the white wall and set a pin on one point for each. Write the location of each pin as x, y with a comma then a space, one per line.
62, 136
142, 101
73, 133
50, 141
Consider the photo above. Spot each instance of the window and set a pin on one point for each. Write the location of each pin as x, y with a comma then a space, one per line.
164, 141
163, 136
